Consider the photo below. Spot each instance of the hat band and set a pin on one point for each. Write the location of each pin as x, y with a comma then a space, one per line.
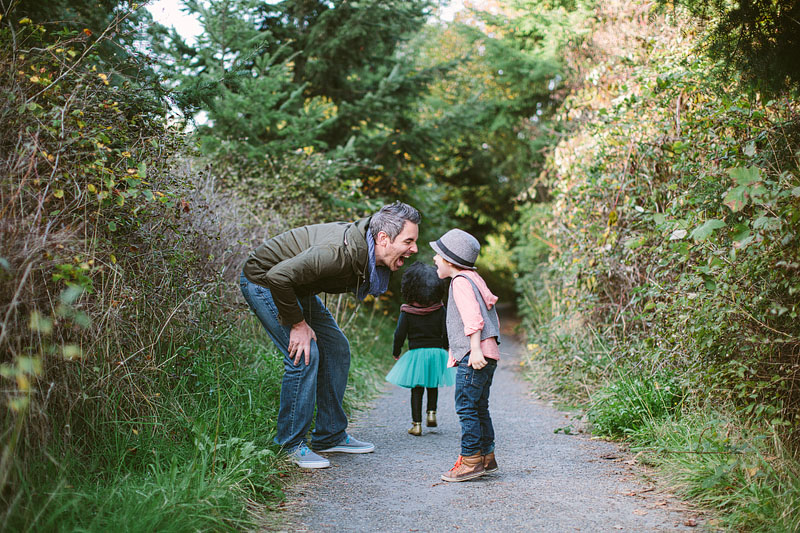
454, 256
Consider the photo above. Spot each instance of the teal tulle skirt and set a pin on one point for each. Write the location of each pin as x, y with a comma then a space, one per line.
422, 367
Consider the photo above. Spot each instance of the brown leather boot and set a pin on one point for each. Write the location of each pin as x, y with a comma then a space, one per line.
465, 468
489, 463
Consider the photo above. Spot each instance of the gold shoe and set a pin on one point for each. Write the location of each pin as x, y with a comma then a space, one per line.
431, 422
416, 429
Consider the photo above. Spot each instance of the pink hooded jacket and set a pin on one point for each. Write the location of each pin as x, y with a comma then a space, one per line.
470, 311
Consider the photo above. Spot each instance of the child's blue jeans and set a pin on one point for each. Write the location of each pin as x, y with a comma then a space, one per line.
472, 406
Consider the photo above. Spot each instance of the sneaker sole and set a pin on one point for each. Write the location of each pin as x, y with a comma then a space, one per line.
300, 464
462, 478
346, 449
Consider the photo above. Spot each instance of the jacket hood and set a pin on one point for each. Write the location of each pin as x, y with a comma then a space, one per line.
488, 297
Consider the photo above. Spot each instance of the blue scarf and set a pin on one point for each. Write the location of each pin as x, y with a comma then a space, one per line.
377, 281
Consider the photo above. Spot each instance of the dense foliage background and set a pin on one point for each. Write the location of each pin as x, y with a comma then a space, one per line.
631, 172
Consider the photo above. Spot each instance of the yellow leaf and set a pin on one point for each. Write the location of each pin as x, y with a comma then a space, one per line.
23, 383
72, 351
25, 20
113, 259
58, 193
91, 188
34, 79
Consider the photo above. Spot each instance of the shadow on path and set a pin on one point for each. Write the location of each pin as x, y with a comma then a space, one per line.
546, 481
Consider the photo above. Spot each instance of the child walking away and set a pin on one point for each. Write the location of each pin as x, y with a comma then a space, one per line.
422, 320
473, 331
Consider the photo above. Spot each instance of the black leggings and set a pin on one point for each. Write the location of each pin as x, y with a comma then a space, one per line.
416, 401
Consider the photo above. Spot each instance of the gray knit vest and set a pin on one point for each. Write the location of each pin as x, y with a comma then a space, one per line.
459, 343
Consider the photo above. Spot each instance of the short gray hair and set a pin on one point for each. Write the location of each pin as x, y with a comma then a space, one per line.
391, 218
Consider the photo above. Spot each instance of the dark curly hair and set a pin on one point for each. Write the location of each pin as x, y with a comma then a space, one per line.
421, 284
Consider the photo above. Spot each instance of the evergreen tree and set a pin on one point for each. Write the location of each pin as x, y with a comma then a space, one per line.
252, 104
298, 73
758, 38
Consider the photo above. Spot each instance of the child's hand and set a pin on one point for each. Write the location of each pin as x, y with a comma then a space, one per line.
396, 357
476, 359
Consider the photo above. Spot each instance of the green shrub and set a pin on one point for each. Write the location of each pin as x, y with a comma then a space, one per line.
629, 402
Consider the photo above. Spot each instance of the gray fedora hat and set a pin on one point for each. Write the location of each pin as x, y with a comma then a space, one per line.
458, 247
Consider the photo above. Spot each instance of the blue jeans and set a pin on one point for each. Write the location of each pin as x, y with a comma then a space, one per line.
472, 406
323, 381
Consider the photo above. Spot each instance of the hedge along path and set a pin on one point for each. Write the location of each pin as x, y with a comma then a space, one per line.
547, 481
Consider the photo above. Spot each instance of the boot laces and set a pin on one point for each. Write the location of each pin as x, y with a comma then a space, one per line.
458, 463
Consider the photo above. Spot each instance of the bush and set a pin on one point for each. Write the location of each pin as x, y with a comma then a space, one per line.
628, 403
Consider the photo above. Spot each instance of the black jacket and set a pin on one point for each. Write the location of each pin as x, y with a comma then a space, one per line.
423, 331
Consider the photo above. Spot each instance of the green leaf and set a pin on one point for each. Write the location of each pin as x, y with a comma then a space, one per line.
745, 176
659, 218
680, 146
701, 233
736, 198
72, 351
112, 226
71, 294
635, 242
741, 232
767, 223
40, 323
677, 235
142, 170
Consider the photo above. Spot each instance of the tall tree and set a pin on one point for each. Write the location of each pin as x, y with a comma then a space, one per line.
758, 38
298, 73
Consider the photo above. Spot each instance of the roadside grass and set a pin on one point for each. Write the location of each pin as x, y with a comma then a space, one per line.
205, 461
706, 452
729, 464
720, 462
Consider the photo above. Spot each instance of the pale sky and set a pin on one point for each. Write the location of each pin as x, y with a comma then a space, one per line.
168, 13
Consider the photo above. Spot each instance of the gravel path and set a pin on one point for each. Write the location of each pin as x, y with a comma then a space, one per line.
546, 481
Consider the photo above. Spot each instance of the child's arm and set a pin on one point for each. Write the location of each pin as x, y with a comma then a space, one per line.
476, 358
400, 335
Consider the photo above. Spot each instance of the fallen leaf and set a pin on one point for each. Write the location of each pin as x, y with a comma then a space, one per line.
690, 522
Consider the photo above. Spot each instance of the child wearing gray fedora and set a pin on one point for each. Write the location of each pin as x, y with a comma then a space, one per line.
473, 331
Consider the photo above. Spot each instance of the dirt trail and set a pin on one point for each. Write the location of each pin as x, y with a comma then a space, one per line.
546, 482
